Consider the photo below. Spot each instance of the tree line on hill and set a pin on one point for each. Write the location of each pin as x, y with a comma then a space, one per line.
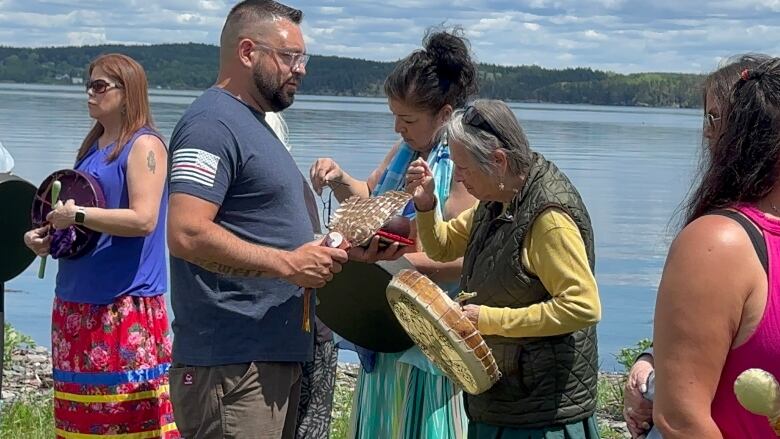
194, 66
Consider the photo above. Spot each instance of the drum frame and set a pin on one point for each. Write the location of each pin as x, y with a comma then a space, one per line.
447, 329
41, 206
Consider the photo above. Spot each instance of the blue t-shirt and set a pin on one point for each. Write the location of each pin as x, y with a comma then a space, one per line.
223, 151
117, 266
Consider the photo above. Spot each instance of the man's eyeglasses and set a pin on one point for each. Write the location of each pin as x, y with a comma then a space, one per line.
100, 86
296, 60
472, 117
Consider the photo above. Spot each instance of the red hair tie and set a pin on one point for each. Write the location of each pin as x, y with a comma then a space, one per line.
745, 75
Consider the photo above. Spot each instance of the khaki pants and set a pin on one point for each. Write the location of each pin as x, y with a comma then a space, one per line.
237, 401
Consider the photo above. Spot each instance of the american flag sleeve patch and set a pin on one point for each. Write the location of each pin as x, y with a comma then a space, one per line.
194, 165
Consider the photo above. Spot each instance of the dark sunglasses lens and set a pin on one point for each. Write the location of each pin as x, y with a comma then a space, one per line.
98, 86
468, 117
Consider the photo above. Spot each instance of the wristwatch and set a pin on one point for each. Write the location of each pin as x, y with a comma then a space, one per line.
81, 215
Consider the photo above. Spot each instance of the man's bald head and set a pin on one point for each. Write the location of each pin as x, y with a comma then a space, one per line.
248, 17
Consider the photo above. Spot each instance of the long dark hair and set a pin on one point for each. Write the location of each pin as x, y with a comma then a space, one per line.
741, 162
718, 84
442, 73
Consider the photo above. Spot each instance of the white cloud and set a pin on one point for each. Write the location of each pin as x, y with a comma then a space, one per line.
565, 57
85, 38
210, 5
621, 35
190, 19
591, 34
487, 25
331, 10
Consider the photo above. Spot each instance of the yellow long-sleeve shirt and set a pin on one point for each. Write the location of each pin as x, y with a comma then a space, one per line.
553, 251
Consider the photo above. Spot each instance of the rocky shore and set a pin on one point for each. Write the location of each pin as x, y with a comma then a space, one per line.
28, 375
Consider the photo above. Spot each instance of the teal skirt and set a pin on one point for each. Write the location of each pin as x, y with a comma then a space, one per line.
400, 401
586, 429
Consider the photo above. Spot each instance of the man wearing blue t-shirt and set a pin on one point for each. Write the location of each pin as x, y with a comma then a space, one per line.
241, 241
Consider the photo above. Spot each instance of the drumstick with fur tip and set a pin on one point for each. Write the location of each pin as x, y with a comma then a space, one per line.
55, 195
332, 240
759, 392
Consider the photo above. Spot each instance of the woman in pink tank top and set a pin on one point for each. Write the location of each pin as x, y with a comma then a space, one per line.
717, 310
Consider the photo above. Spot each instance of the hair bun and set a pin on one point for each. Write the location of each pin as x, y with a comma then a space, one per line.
449, 52
443, 73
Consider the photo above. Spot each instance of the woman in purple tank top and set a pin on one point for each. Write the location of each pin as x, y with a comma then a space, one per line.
110, 337
718, 306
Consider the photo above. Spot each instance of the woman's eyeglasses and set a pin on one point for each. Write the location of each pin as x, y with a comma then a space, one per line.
100, 86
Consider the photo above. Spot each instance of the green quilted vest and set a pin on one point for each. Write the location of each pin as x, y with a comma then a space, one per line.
545, 380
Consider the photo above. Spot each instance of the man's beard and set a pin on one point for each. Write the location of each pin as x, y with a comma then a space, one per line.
273, 93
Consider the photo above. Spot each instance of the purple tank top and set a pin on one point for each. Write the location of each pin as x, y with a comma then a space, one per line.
761, 350
117, 266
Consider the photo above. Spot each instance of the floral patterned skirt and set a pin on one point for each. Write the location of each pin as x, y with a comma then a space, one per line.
111, 369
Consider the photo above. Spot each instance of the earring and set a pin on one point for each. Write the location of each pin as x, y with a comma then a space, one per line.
501, 186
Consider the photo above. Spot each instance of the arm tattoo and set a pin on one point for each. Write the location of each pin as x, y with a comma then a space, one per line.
151, 163
216, 267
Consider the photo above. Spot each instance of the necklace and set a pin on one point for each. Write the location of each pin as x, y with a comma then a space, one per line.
772, 203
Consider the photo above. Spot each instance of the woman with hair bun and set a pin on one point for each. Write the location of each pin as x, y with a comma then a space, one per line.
403, 395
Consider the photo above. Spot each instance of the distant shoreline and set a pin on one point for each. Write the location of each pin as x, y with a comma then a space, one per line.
194, 66
153, 88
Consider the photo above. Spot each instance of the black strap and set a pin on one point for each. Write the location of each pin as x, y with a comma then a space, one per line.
759, 244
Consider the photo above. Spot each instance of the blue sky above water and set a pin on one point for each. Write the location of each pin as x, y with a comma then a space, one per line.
618, 35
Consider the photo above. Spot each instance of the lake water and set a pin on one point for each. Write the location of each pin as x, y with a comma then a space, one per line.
631, 165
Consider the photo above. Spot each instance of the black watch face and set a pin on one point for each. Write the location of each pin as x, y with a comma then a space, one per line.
80, 217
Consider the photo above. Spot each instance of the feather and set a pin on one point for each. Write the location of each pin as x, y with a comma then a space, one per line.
358, 219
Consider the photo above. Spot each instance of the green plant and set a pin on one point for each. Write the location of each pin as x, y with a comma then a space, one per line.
30, 417
14, 340
606, 432
609, 398
342, 404
627, 356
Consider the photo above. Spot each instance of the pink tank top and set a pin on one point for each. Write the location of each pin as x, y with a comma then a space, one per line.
761, 350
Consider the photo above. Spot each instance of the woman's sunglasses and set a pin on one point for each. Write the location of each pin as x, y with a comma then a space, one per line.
100, 86
711, 120
471, 116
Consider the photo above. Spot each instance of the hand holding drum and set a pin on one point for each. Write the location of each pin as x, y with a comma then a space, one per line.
55, 195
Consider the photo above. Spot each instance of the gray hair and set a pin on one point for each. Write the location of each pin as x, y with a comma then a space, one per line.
279, 127
508, 134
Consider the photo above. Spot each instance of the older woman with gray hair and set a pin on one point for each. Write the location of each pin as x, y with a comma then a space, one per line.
528, 252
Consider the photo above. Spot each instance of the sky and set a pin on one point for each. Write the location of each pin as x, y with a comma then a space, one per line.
624, 36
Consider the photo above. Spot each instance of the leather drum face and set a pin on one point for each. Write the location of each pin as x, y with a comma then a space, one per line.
442, 332
76, 240
354, 305
16, 196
